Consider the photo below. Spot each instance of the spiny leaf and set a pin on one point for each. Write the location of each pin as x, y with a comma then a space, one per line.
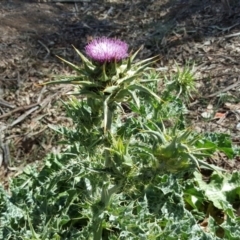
111, 89
73, 66
84, 59
146, 61
107, 118
146, 90
135, 98
135, 54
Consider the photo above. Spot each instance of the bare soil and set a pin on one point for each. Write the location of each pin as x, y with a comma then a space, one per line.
205, 32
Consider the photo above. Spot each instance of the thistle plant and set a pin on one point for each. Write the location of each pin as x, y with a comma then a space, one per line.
107, 82
122, 172
176, 150
183, 82
108, 79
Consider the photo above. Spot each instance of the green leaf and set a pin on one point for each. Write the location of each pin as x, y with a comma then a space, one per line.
73, 66
84, 59
135, 98
127, 79
218, 189
231, 228
73, 80
134, 55
146, 61
146, 90
222, 142
107, 119
111, 89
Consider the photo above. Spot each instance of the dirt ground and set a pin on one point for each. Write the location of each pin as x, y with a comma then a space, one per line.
205, 32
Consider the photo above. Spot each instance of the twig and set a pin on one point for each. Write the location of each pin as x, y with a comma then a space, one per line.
41, 93
223, 90
232, 35
44, 103
23, 116
48, 51
6, 154
47, 100
19, 109
70, 1
6, 104
39, 104
1, 156
4, 149
226, 29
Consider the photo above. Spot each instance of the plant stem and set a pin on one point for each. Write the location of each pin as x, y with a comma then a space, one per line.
99, 217
106, 191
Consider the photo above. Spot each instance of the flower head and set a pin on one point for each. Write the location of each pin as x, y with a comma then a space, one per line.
107, 50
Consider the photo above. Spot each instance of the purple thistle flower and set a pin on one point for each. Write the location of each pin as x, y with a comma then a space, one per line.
106, 50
